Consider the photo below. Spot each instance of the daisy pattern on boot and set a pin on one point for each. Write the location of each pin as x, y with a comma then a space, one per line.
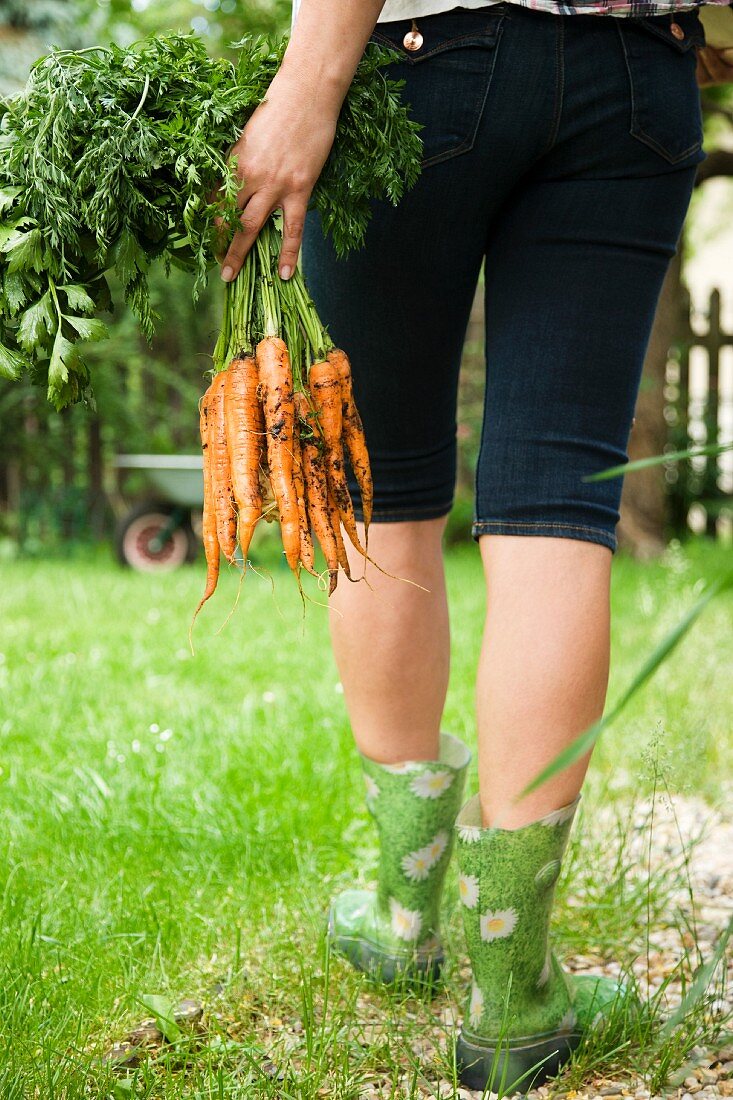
475, 1006
468, 889
431, 784
401, 769
469, 834
416, 865
559, 817
437, 846
498, 924
405, 922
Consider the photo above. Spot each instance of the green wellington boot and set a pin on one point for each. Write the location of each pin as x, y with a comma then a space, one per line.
524, 1014
392, 933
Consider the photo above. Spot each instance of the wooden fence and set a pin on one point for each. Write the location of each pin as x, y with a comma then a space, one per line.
699, 412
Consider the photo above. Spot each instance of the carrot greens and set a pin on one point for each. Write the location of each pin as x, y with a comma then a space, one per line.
106, 161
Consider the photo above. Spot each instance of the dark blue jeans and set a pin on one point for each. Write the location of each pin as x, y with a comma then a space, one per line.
560, 150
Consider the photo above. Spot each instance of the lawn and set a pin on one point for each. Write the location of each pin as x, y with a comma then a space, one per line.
175, 824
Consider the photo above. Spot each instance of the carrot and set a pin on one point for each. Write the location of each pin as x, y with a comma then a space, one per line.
276, 393
245, 433
210, 537
306, 542
353, 435
316, 493
226, 518
336, 525
325, 387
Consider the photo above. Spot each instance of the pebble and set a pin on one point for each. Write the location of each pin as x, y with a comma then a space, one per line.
122, 1056
188, 1013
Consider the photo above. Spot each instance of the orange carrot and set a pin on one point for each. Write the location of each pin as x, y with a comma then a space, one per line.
353, 435
306, 542
325, 387
276, 394
245, 432
336, 525
316, 493
211, 540
226, 518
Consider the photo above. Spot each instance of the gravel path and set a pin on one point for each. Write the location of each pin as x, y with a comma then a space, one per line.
707, 902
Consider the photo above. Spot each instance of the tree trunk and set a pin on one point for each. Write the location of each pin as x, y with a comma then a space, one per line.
644, 501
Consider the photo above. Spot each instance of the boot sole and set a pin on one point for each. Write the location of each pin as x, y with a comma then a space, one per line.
381, 966
512, 1068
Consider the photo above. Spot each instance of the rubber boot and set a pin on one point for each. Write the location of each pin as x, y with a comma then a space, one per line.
524, 1014
393, 933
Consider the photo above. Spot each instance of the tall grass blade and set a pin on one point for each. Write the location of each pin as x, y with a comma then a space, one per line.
700, 983
710, 449
585, 742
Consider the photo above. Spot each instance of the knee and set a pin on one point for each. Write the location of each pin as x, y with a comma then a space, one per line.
410, 544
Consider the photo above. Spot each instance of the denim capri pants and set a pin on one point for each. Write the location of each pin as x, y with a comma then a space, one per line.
560, 150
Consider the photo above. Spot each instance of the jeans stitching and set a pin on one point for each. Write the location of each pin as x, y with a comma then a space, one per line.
596, 535
481, 39
480, 103
635, 129
559, 84
531, 523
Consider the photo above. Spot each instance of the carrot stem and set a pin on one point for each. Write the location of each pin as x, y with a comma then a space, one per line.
272, 322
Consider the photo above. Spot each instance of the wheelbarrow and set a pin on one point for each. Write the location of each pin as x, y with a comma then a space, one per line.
162, 532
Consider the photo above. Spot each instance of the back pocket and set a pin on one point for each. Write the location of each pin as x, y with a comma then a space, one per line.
665, 100
447, 80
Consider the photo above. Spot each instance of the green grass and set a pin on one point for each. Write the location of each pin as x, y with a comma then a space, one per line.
174, 822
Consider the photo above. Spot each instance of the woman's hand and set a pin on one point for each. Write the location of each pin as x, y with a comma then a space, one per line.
714, 66
279, 158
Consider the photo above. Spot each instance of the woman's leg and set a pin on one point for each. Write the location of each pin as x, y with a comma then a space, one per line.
543, 669
573, 273
391, 643
574, 267
400, 307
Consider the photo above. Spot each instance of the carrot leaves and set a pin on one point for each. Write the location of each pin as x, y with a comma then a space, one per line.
108, 161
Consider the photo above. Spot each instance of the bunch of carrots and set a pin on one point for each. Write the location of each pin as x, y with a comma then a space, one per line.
278, 422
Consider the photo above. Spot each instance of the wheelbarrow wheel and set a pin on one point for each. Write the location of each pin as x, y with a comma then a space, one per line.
138, 536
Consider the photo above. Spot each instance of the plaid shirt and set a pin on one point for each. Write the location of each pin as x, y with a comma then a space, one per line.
629, 8
414, 9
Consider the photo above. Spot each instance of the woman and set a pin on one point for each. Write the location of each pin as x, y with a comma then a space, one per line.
561, 143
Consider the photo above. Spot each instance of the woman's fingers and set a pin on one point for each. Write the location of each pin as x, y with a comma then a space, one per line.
254, 216
294, 209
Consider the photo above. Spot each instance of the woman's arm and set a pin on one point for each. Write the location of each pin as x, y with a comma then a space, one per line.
285, 144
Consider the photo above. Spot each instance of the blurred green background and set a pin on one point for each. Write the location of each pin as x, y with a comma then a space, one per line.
175, 825
57, 473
